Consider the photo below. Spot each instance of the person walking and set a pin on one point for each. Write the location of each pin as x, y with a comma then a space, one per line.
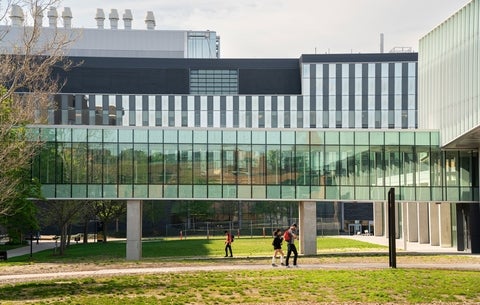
228, 243
290, 236
277, 247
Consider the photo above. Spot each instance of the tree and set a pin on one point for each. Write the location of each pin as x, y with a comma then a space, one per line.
107, 211
26, 88
62, 214
23, 216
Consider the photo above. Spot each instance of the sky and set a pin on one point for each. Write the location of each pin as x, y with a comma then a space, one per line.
284, 28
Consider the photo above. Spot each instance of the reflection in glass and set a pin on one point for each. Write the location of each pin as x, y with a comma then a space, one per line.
341, 164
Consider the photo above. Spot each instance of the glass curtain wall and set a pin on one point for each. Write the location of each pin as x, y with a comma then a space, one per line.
252, 164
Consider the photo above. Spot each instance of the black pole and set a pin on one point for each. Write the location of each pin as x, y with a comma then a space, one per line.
391, 229
31, 245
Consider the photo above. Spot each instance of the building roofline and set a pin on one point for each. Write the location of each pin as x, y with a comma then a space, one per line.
358, 57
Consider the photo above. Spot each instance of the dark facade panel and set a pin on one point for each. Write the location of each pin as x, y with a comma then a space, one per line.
269, 81
126, 81
358, 58
171, 76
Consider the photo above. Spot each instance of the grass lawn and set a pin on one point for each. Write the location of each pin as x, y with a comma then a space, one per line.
255, 286
271, 286
191, 247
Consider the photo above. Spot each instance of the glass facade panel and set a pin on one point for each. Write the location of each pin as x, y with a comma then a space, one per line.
361, 165
63, 190
346, 171
214, 191
273, 192
95, 163
287, 162
140, 136
185, 170
170, 164
48, 134
213, 82
45, 164
185, 136
361, 192
110, 136
214, 164
347, 192
185, 191
361, 138
317, 137
345, 167
258, 164
140, 191
80, 190
273, 137
140, 164
230, 168
110, 191
377, 138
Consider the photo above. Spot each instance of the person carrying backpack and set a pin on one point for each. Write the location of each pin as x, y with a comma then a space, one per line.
277, 247
289, 236
228, 243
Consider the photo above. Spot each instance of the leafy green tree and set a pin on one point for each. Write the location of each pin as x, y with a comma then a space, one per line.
62, 213
23, 216
107, 211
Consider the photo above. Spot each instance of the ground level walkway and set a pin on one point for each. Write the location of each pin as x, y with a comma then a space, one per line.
465, 261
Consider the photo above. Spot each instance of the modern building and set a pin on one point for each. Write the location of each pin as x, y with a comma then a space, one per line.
341, 128
449, 94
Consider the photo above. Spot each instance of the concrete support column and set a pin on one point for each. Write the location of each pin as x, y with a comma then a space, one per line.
445, 225
399, 214
308, 227
412, 222
423, 229
403, 209
134, 229
434, 224
379, 218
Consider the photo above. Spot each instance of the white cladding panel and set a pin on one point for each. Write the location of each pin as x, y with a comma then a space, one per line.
116, 42
449, 75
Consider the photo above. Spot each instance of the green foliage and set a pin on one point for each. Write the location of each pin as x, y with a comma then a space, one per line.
22, 218
107, 211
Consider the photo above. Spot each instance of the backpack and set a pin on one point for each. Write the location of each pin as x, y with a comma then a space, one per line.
286, 236
232, 237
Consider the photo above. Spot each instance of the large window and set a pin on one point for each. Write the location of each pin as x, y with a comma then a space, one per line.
252, 164
213, 82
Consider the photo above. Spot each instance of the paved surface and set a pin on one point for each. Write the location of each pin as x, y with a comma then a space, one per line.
149, 270
42, 245
401, 248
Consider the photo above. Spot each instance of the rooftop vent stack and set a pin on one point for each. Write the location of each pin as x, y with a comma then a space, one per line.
381, 43
52, 17
16, 15
127, 19
100, 17
113, 17
38, 16
67, 18
150, 20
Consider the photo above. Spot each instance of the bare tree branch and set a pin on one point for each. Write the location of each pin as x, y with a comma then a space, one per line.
28, 55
